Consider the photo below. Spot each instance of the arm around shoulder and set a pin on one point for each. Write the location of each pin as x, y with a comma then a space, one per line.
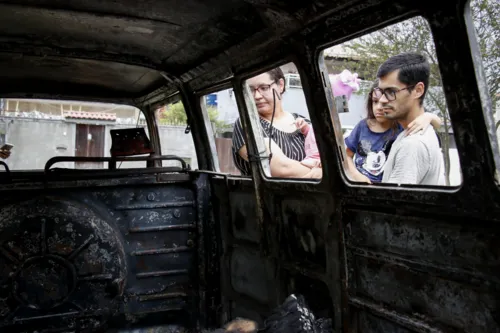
422, 122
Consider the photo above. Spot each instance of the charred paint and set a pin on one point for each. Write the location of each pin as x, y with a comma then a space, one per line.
100, 253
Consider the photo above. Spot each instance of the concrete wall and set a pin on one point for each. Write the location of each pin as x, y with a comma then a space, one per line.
357, 111
175, 142
294, 101
37, 140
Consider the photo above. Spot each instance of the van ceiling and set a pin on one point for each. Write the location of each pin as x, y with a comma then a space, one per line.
119, 48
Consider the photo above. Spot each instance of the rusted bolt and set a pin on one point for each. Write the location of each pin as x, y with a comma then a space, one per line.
177, 213
190, 243
151, 197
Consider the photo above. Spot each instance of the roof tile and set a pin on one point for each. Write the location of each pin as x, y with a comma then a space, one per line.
90, 115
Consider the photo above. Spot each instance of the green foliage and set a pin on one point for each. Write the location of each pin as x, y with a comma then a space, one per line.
218, 125
486, 17
174, 114
414, 35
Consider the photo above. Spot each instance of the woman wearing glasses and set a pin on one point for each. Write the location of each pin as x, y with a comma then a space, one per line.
287, 144
370, 142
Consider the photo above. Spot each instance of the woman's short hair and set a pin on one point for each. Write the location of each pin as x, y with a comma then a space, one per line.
276, 74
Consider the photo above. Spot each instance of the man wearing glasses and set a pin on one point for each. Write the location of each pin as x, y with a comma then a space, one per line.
414, 159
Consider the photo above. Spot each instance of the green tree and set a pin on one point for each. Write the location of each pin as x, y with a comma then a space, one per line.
174, 114
414, 35
219, 126
486, 17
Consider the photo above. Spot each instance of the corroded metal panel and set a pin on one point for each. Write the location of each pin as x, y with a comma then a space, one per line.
244, 217
435, 274
88, 256
249, 275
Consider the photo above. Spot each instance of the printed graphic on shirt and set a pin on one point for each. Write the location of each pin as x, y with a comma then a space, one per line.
372, 162
371, 149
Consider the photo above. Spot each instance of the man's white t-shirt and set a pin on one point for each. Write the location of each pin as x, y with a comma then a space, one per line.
415, 159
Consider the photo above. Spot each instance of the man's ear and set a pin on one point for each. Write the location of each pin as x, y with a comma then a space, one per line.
419, 89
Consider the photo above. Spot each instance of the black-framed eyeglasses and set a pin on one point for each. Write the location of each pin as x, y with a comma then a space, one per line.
390, 93
262, 89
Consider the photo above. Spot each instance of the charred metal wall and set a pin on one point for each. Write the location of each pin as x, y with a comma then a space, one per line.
398, 259
421, 266
94, 257
261, 267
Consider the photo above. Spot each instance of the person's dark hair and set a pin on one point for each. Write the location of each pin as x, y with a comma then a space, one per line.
369, 102
413, 68
276, 74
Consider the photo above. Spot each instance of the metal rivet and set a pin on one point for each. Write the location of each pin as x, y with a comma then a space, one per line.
190, 243
177, 213
151, 196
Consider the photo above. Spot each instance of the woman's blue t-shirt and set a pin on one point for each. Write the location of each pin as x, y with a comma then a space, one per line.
371, 149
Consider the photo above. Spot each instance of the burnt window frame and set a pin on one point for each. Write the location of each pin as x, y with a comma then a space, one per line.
255, 135
172, 99
149, 124
486, 99
341, 156
199, 96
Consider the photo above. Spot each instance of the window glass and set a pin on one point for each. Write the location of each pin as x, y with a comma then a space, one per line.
403, 135
42, 129
172, 125
221, 112
280, 121
485, 15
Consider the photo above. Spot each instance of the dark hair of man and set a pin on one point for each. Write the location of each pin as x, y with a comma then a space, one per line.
413, 68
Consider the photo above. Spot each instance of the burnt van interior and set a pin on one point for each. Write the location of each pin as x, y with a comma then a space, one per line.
174, 243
